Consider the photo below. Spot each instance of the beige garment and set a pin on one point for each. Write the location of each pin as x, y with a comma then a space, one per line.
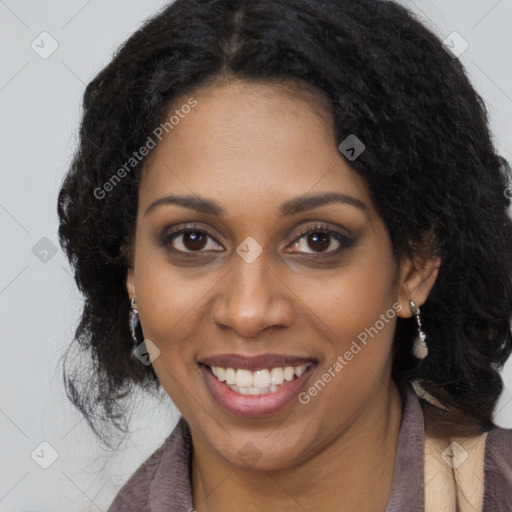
454, 474
453, 470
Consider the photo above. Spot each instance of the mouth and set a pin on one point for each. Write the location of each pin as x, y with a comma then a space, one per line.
259, 382
252, 386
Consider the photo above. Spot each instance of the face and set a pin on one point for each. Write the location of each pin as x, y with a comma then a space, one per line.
259, 257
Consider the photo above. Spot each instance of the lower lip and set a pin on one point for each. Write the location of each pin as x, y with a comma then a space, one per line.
254, 405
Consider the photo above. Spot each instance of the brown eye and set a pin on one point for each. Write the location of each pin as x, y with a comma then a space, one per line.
194, 240
189, 240
320, 240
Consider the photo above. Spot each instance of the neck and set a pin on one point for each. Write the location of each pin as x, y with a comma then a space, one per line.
337, 479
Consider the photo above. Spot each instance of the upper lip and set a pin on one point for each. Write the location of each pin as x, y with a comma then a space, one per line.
255, 362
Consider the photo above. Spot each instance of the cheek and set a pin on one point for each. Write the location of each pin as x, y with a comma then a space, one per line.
171, 308
169, 317
351, 299
171, 312
167, 294
354, 311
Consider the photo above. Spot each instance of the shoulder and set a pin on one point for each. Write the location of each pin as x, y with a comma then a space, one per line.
498, 469
498, 452
169, 462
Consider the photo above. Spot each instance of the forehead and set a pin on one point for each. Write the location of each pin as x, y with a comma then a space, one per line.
251, 143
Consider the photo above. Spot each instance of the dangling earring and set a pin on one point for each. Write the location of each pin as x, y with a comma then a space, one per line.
134, 321
419, 349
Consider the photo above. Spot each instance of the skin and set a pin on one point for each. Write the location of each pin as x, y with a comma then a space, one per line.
250, 147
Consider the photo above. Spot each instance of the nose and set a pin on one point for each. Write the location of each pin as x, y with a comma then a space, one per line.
253, 298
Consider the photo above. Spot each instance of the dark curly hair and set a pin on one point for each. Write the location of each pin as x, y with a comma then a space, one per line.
430, 165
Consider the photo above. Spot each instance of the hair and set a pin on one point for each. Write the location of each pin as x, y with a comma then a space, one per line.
430, 165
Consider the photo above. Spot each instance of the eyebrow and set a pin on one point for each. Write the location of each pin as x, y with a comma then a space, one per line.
288, 208
304, 203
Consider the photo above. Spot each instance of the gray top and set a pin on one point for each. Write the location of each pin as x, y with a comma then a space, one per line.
163, 484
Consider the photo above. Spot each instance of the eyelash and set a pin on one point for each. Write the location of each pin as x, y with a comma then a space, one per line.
344, 240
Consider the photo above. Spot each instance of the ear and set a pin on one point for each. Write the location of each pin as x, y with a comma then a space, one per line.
130, 283
416, 278
126, 249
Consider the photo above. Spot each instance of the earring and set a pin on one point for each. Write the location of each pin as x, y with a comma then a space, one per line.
419, 349
134, 321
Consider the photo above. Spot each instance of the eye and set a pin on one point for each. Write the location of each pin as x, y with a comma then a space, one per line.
191, 239
320, 240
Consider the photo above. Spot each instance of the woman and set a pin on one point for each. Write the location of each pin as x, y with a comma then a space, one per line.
290, 216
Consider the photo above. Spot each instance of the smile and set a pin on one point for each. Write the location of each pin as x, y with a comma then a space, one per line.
255, 386
259, 382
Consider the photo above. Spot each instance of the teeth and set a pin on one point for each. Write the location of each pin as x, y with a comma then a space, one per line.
276, 376
259, 391
259, 382
221, 374
299, 370
243, 378
289, 373
261, 379
230, 376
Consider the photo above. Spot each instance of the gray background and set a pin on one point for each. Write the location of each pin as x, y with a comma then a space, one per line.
40, 107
